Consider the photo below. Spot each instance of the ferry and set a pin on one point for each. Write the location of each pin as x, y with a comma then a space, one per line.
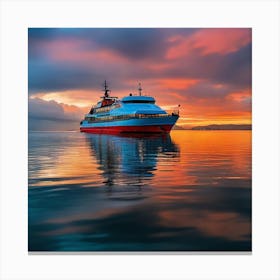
131, 114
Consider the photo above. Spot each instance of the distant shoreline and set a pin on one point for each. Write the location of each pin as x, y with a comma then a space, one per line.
217, 127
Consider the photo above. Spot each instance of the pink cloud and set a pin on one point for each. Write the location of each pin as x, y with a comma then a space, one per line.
222, 40
78, 51
210, 40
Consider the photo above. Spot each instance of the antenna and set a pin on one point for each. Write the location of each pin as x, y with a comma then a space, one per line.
140, 89
106, 90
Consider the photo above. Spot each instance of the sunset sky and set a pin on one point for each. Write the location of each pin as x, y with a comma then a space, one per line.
207, 71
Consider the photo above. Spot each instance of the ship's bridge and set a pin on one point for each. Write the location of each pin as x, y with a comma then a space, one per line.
138, 99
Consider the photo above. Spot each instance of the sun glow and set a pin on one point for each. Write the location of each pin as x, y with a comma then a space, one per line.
79, 98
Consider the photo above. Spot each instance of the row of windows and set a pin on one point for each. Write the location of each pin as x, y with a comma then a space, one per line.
104, 109
124, 117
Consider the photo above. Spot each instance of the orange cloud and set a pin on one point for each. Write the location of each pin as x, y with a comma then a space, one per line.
240, 96
177, 84
79, 98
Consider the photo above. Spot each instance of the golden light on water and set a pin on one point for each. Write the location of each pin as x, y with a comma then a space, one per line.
195, 149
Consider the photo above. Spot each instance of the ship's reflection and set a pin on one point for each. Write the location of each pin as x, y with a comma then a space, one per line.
130, 160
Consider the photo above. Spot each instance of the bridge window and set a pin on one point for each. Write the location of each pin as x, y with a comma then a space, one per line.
139, 101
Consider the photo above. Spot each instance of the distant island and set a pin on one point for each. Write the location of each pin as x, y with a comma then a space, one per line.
216, 127
178, 127
224, 127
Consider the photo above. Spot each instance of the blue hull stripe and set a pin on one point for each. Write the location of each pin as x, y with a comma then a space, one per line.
134, 122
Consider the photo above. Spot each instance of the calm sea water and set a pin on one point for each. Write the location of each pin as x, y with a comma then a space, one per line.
187, 191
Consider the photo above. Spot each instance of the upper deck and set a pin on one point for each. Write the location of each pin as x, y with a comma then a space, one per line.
138, 99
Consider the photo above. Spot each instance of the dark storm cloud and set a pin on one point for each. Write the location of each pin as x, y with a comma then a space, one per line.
40, 109
139, 43
48, 76
41, 33
233, 68
133, 43
49, 110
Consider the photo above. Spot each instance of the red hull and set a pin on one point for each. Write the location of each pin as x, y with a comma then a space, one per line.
128, 129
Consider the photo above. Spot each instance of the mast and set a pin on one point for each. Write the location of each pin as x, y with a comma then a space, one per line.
106, 90
140, 89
